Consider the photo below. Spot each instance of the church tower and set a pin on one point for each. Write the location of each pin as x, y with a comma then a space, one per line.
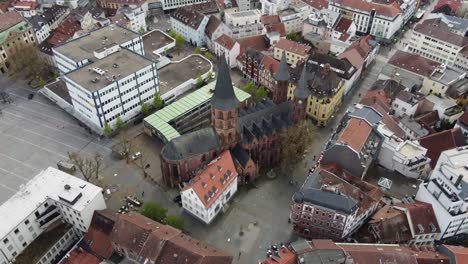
280, 93
301, 94
224, 107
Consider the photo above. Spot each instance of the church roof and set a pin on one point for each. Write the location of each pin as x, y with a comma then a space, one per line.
224, 97
191, 144
301, 90
283, 72
263, 118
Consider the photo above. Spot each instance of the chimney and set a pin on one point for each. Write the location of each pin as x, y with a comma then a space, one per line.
326, 69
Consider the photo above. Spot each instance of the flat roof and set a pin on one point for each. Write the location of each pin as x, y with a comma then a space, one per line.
119, 64
160, 120
48, 184
246, 13
84, 47
409, 149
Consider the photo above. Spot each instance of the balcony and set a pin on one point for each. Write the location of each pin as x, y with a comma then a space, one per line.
453, 111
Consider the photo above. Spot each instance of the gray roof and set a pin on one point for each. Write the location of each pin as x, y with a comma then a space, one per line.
345, 157
191, 144
365, 112
263, 118
240, 155
301, 90
224, 97
283, 72
405, 78
414, 126
311, 193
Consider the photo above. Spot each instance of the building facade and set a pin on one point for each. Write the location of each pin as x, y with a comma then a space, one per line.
244, 23
174, 4
50, 197
208, 193
190, 24
295, 51
446, 190
15, 33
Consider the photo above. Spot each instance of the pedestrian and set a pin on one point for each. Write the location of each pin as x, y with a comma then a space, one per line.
240, 253
143, 194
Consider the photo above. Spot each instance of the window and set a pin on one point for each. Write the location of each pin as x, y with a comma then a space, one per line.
30, 229
26, 222
16, 231
25, 244
5, 241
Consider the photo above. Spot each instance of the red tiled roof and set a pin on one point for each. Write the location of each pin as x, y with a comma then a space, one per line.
120, 19
267, 20
285, 256
9, 19
421, 214
226, 41
258, 43
379, 253
270, 63
4, 6
461, 253
125, 2
436, 28
280, 28
293, 46
358, 51
188, 16
69, 26
389, 122
438, 142
377, 96
211, 26
454, 5
343, 25
413, 63
344, 37
317, 4
464, 118
389, 10
355, 134
79, 256
29, 5
219, 174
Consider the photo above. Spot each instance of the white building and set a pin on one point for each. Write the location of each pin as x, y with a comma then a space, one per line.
406, 157
245, 23
214, 29
41, 28
174, 4
190, 24
447, 191
228, 47
271, 7
49, 198
26, 8
136, 16
377, 19
434, 39
209, 192
82, 51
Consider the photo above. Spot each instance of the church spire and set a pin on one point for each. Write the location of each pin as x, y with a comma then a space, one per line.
301, 91
224, 97
283, 73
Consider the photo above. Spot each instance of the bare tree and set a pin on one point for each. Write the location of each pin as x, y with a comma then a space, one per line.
90, 167
294, 142
26, 60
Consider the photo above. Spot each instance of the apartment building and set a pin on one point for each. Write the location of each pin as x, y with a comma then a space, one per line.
15, 32
174, 4
330, 207
380, 19
117, 4
208, 193
447, 191
26, 8
227, 47
434, 39
244, 23
295, 51
96, 44
292, 20
136, 18
214, 29
190, 24
53, 204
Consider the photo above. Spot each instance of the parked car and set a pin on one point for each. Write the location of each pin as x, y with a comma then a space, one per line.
169, 56
136, 155
177, 199
204, 49
30, 96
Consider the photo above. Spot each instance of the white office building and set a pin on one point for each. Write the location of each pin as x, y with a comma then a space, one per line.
136, 17
447, 191
82, 51
190, 24
272, 7
52, 199
209, 192
174, 4
245, 23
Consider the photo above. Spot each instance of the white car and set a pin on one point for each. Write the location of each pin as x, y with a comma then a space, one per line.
204, 49
136, 155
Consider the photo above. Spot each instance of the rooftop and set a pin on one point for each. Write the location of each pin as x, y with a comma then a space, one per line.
422, 217
438, 142
413, 63
247, 13
34, 251
79, 256
293, 46
214, 180
414, 126
226, 41
9, 19
188, 16
438, 29
49, 184
155, 40
115, 66
355, 134
388, 9
84, 47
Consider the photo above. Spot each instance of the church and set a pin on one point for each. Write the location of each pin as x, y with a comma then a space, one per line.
252, 134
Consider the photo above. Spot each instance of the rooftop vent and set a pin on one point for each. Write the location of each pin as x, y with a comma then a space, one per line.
421, 228
67, 187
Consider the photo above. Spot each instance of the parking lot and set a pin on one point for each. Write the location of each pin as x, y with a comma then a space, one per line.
175, 74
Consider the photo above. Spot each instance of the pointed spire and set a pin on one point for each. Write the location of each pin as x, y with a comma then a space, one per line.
283, 73
224, 97
301, 91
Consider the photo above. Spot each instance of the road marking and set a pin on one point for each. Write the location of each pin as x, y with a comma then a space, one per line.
51, 139
14, 174
37, 146
18, 161
49, 117
8, 188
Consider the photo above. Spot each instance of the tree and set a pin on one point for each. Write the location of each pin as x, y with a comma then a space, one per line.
165, 51
250, 89
90, 167
294, 142
56, 75
107, 129
26, 60
175, 221
172, 33
208, 55
293, 36
145, 109
153, 211
158, 102
200, 81
42, 82
142, 30
120, 123
261, 93
210, 76
197, 50
180, 41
